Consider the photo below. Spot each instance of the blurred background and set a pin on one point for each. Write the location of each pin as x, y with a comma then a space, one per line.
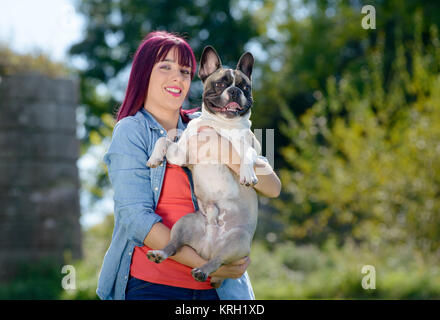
356, 119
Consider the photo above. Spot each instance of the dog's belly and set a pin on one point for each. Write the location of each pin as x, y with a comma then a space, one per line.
235, 209
235, 222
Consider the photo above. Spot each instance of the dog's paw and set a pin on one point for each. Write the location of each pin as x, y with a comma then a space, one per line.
159, 152
156, 256
199, 275
248, 176
153, 162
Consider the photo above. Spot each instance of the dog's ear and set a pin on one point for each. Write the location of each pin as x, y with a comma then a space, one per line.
246, 63
209, 63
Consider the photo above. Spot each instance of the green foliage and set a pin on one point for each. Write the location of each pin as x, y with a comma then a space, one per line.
13, 63
289, 271
365, 161
306, 42
96, 242
33, 280
43, 279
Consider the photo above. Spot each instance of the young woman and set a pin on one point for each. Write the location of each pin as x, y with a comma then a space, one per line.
149, 201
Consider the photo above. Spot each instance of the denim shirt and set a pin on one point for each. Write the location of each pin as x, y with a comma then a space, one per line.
136, 193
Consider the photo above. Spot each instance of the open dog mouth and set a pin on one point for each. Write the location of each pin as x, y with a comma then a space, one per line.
231, 106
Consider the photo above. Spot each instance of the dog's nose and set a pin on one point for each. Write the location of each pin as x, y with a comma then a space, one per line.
234, 93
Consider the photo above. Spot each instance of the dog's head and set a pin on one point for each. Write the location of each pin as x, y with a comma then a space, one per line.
227, 92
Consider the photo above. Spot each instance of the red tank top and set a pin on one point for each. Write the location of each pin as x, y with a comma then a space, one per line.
174, 202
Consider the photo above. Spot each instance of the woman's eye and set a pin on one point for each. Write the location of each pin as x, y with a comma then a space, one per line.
166, 67
185, 71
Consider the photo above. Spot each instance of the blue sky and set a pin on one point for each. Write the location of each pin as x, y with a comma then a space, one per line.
49, 26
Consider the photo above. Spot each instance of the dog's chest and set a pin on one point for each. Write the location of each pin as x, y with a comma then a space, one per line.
213, 182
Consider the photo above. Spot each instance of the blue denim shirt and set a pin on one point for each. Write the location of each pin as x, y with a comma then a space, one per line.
136, 193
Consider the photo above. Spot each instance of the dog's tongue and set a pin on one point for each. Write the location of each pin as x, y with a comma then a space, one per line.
232, 105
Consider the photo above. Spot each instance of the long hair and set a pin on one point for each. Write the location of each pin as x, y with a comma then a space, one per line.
154, 48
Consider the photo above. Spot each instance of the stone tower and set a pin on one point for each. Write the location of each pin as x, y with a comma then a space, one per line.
39, 184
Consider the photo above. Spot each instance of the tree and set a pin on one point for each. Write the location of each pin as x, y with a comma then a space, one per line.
308, 41
366, 160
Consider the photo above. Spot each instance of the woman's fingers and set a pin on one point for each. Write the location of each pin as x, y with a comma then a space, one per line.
239, 267
241, 261
233, 270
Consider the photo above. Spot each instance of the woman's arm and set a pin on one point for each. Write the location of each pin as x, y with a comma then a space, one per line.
268, 185
158, 238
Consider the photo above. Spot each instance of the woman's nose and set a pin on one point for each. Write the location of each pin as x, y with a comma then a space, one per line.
178, 76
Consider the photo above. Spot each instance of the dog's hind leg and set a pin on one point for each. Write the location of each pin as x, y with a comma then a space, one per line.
225, 254
202, 273
182, 233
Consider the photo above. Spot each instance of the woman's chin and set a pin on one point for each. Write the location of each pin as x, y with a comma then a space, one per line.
174, 107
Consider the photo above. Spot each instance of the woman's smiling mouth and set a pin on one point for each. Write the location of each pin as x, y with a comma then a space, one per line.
174, 91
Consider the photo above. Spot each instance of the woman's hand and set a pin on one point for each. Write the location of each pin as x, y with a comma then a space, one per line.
233, 270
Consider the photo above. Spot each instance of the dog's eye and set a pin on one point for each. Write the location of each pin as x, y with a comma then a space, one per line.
220, 85
246, 87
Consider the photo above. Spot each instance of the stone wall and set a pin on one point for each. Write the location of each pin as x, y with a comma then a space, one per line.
39, 185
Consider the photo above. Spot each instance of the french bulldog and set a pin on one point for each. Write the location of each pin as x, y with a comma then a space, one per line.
222, 229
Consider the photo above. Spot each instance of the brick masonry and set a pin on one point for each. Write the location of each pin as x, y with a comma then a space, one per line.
39, 184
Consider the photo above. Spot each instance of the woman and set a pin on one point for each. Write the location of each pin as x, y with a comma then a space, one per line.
149, 201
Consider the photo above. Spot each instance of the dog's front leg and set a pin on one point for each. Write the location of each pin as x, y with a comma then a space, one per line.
248, 157
177, 152
159, 152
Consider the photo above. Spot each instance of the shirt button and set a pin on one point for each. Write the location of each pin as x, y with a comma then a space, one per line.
126, 277
129, 253
161, 164
161, 131
156, 188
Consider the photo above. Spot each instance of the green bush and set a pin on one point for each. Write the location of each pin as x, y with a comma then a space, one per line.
37, 281
96, 241
402, 272
364, 160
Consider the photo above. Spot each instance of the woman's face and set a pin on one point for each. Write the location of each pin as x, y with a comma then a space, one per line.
169, 83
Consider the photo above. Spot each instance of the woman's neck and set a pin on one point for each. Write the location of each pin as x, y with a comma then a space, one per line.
167, 118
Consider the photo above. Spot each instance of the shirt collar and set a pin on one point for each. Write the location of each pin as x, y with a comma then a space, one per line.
154, 124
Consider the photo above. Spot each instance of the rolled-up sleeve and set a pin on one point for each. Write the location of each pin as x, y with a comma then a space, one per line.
126, 160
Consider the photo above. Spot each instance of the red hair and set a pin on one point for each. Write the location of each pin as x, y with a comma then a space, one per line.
154, 48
